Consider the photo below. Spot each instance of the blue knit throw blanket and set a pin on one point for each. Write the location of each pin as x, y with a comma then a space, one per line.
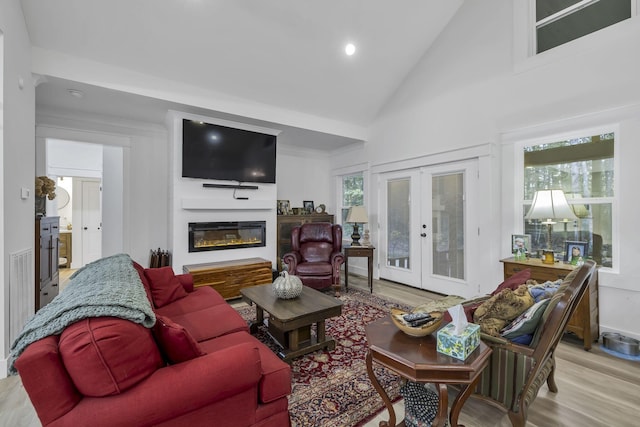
107, 287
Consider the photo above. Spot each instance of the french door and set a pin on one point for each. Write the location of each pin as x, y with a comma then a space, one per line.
399, 219
426, 231
449, 231
91, 215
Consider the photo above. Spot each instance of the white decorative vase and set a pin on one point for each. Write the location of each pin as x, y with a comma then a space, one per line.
287, 286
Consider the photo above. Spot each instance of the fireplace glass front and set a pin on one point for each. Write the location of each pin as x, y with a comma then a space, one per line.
215, 236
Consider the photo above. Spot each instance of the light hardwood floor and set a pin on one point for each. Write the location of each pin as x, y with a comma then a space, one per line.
595, 388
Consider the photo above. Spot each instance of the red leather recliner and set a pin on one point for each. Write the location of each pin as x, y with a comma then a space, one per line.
316, 254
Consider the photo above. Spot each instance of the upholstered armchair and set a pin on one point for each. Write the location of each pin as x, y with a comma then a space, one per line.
316, 254
516, 372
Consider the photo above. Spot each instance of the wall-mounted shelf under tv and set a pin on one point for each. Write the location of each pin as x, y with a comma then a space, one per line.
234, 186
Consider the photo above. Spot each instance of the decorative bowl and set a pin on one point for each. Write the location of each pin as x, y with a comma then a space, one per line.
419, 331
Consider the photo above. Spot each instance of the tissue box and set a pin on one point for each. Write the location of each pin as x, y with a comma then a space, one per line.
458, 346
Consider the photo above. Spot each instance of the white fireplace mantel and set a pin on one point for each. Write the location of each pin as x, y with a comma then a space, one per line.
226, 204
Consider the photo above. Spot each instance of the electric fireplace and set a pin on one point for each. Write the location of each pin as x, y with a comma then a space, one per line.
215, 236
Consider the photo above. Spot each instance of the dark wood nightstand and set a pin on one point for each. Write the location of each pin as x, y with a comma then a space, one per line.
358, 251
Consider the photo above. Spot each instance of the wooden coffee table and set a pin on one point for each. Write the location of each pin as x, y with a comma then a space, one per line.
290, 321
418, 360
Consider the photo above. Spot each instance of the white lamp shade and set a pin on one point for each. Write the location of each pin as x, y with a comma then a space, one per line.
357, 214
550, 205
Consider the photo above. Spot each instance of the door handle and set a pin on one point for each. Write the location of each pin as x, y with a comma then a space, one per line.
85, 228
423, 234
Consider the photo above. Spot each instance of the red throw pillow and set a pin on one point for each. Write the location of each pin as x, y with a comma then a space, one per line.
175, 341
107, 355
468, 312
145, 282
165, 286
514, 281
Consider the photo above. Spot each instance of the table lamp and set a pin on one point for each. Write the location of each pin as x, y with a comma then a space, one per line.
357, 215
548, 206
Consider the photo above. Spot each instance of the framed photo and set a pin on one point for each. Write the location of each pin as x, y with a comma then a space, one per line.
520, 243
575, 252
308, 206
284, 207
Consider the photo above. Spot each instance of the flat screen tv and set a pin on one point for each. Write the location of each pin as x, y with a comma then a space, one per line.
218, 152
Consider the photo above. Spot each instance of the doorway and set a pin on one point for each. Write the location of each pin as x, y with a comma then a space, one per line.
79, 204
427, 232
96, 175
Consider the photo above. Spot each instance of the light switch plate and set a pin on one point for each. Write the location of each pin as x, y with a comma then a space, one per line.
24, 193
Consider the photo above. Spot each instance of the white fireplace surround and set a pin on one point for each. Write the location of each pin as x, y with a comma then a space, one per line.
191, 202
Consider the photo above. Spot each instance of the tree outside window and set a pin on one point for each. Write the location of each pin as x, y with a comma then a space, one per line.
584, 169
352, 195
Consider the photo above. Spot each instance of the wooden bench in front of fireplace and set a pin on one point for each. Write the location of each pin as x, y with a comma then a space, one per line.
228, 277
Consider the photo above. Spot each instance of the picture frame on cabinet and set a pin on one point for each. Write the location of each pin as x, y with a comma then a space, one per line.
284, 207
520, 244
308, 206
575, 252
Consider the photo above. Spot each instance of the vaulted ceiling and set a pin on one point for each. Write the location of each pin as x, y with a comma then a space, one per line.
288, 54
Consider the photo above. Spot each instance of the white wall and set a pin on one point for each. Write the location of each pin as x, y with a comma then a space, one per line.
467, 90
304, 175
17, 153
112, 200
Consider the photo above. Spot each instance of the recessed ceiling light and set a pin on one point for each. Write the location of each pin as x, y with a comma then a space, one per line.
76, 93
350, 49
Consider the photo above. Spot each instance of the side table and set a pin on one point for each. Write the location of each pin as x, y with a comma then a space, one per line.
417, 359
358, 251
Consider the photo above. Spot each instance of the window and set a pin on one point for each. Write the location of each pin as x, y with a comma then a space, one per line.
584, 168
561, 21
352, 195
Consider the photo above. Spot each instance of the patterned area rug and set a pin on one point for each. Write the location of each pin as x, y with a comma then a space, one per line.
332, 389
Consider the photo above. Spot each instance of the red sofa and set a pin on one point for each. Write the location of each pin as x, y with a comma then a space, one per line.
197, 366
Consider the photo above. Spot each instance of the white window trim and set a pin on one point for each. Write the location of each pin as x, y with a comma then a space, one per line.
518, 190
524, 37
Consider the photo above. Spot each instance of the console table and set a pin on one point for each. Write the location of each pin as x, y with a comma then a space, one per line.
358, 251
228, 277
584, 321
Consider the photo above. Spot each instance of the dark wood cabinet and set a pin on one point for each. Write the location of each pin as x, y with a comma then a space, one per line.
47, 258
286, 224
584, 321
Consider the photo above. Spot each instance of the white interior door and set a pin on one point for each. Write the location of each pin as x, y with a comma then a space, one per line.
399, 251
449, 232
91, 227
